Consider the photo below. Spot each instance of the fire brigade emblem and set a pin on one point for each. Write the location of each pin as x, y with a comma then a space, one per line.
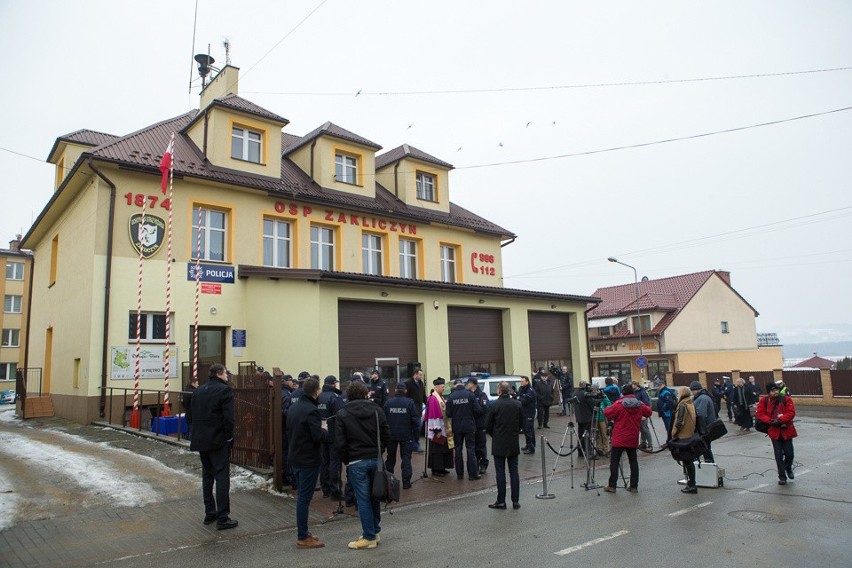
147, 235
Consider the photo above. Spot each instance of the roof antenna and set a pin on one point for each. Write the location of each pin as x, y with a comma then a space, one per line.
227, 45
205, 64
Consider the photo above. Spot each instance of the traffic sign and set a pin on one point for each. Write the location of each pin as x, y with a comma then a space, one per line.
641, 362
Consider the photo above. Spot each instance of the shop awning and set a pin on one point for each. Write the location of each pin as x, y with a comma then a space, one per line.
606, 322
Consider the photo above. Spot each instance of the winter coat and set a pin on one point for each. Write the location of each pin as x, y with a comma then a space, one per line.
626, 413
463, 409
304, 433
683, 423
379, 392
543, 386
528, 399
782, 409
212, 416
704, 407
328, 403
612, 392
584, 408
641, 395
416, 391
666, 401
355, 434
744, 396
505, 419
484, 407
401, 416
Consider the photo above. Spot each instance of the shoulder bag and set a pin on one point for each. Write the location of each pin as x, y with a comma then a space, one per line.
760, 425
385, 484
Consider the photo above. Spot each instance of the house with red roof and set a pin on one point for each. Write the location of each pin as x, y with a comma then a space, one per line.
816, 362
689, 323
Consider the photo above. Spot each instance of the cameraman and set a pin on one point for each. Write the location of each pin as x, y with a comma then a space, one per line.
566, 384
583, 409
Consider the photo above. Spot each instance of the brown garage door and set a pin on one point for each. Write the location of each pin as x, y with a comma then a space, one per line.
370, 330
476, 341
550, 339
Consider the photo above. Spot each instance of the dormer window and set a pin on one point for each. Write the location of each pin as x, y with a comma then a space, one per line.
246, 144
345, 168
425, 186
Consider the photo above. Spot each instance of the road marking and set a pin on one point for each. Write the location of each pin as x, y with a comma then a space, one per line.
830, 463
565, 551
688, 509
755, 488
798, 473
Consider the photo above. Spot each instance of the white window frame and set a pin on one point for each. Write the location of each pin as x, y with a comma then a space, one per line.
277, 243
219, 233
426, 186
345, 168
10, 371
14, 270
12, 304
372, 253
322, 248
725, 327
148, 327
448, 264
10, 338
408, 258
243, 141
637, 321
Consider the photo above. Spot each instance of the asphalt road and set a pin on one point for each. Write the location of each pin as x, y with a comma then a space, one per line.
751, 521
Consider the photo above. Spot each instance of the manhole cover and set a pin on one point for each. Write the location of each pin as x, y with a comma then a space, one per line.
756, 516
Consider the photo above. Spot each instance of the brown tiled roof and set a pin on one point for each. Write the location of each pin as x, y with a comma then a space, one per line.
85, 137
407, 151
143, 150
330, 129
249, 271
817, 362
238, 103
665, 294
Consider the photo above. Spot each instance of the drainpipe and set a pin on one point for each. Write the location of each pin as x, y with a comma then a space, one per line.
589, 343
107, 284
27, 332
396, 181
313, 144
507, 243
206, 116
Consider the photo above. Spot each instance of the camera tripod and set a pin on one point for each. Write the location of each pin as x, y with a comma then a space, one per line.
591, 446
569, 433
340, 510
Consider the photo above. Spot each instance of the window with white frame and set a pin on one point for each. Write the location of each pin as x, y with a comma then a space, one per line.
345, 168
277, 243
11, 338
214, 231
14, 270
152, 327
407, 258
322, 248
246, 144
426, 186
371, 253
8, 371
724, 326
448, 263
644, 321
12, 304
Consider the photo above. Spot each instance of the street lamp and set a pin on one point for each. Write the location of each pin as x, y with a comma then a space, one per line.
638, 314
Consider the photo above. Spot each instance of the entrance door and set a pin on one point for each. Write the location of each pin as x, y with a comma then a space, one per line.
211, 348
389, 371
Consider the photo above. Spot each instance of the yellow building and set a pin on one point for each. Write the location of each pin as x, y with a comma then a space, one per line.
14, 287
316, 252
688, 323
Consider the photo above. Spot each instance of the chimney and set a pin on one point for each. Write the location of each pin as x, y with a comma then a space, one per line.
225, 82
724, 275
15, 244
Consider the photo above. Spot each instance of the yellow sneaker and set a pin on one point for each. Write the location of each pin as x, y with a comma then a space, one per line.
362, 543
378, 538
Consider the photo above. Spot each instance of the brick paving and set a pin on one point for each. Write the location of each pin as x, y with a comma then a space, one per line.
105, 533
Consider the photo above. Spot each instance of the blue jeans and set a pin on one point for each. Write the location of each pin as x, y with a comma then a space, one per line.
306, 482
360, 475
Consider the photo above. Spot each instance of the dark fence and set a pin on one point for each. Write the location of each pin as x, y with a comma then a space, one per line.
253, 440
841, 382
805, 382
27, 383
760, 377
712, 376
683, 379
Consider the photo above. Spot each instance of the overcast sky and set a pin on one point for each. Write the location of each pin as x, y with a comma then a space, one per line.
484, 83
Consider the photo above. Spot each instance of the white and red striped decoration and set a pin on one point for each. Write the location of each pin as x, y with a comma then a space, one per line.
167, 363
134, 415
197, 293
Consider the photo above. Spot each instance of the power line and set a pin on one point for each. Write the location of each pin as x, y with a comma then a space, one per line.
363, 93
655, 142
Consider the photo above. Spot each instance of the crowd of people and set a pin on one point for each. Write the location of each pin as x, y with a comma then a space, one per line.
325, 428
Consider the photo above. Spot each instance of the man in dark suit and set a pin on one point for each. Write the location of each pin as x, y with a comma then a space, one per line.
212, 409
504, 421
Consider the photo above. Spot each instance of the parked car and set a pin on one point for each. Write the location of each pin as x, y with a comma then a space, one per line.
488, 382
7, 396
652, 394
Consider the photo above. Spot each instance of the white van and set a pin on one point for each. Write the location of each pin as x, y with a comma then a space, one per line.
488, 383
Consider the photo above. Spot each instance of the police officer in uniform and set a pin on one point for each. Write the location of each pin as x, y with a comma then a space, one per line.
480, 438
402, 418
297, 392
528, 399
328, 403
286, 402
378, 389
463, 409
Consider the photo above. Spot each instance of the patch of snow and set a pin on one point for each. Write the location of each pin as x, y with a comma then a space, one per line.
8, 502
245, 479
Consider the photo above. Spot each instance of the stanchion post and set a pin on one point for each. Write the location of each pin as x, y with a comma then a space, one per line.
544, 494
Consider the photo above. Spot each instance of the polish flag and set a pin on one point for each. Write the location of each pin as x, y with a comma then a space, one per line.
166, 164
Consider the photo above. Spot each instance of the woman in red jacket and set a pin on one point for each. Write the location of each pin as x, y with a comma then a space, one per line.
778, 410
627, 414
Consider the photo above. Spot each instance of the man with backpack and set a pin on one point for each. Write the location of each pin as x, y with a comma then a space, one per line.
705, 413
665, 405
